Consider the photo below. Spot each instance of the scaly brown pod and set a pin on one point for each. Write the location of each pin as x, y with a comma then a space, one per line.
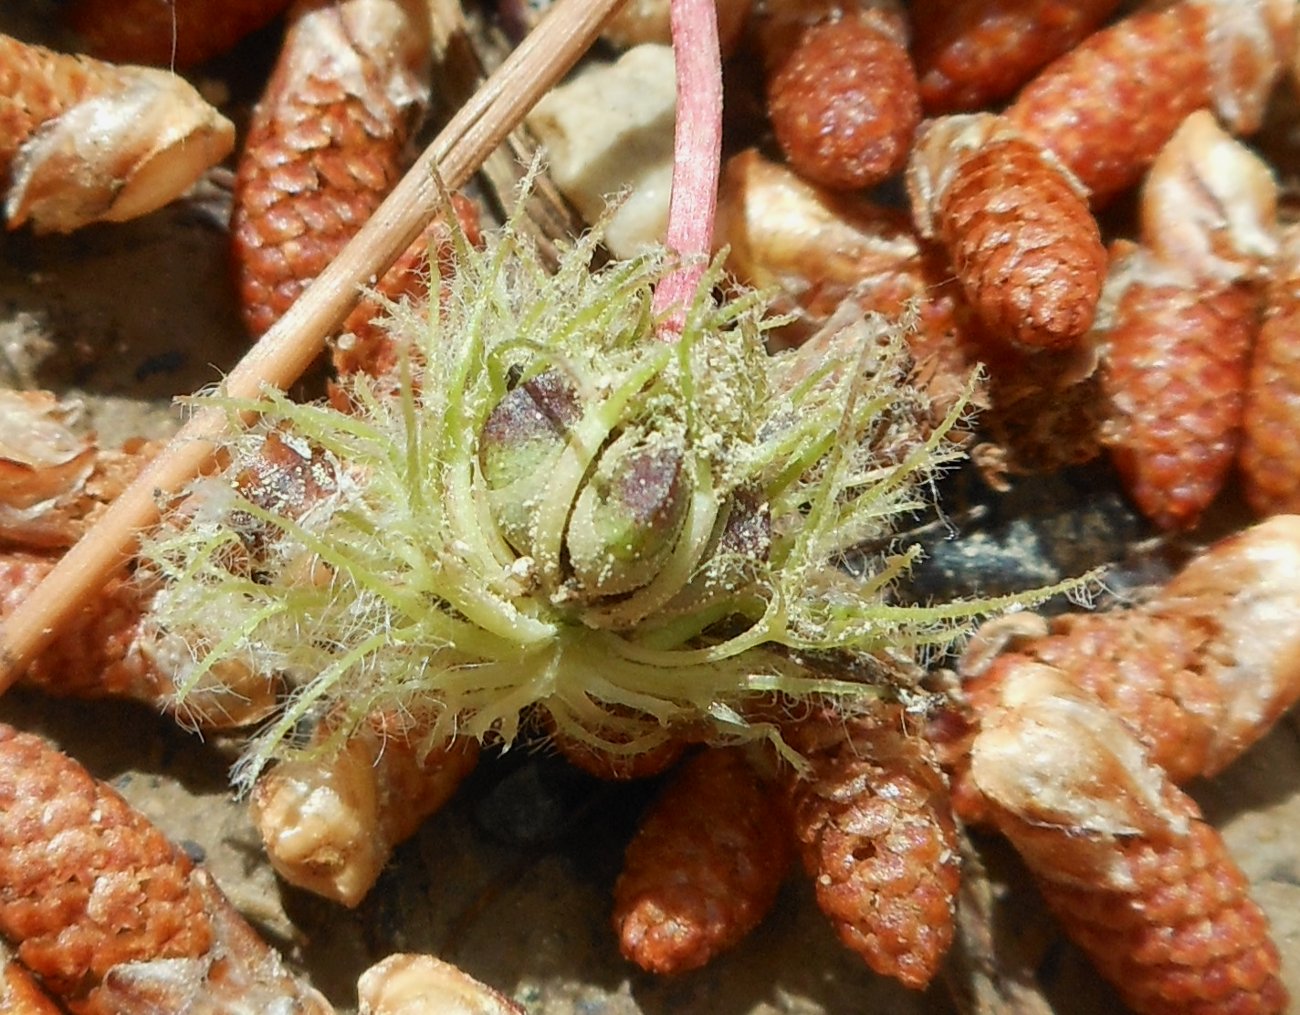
1124, 859
841, 90
878, 839
113, 918
1108, 106
1182, 312
326, 143
971, 53
1015, 225
704, 867
154, 136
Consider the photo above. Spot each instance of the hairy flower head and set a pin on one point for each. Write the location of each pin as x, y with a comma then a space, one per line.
549, 509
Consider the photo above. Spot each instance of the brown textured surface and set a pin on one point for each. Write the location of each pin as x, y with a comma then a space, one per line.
1174, 374
86, 883
20, 994
879, 841
1107, 107
1021, 239
37, 84
842, 98
543, 935
703, 868
1185, 939
322, 151
1199, 672
1148, 669
166, 33
98, 654
1270, 451
970, 53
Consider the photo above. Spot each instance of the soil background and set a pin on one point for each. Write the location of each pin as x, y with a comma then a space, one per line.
512, 881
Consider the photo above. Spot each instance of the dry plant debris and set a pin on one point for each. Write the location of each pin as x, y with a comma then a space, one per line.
154, 135
1169, 676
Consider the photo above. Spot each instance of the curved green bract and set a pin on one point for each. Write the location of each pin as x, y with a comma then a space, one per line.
399, 590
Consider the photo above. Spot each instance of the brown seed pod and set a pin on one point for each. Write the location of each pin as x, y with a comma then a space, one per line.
878, 838
1180, 315
325, 144
1133, 873
1269, 460
1196, 673
704, 867
331, 819
113, 918
167, 33
1174, 377
1108, 106
972, 53
154, 136
1015, 226
841, 90
54, 479
20, 993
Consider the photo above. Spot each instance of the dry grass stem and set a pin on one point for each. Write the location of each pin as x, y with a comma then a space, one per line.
286, 350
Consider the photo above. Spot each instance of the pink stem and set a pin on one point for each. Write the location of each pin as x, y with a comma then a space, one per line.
697, 157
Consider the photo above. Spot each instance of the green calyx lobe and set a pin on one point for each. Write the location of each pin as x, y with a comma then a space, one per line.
558, 511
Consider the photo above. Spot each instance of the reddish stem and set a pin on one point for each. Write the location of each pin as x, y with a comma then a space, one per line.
697, 157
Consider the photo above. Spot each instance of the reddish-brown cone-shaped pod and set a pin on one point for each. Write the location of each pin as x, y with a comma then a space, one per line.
704, 867
1199, 672
112, 917
972, 53
1133, 873
1270, 452
167, 33
325, 145
1015, 226
841, 90
1109, 105
878, 838
1174, 376
1179, 317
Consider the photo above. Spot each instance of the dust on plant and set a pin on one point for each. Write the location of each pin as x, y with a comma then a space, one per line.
548, 508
